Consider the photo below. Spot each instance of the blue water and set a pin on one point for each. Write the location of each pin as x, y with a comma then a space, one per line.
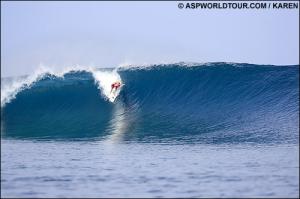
209, 130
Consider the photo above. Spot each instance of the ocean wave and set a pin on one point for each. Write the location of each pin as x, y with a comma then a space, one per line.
189, 102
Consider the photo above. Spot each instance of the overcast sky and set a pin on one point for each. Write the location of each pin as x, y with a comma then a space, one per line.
107, 34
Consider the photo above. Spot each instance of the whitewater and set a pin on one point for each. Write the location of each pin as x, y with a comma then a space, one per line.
175, 130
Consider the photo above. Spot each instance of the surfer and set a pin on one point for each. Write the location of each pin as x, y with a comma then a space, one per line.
115, 86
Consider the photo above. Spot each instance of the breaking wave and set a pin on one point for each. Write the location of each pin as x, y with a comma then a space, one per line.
208, 103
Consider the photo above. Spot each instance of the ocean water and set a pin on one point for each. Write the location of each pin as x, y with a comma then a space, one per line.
175, 130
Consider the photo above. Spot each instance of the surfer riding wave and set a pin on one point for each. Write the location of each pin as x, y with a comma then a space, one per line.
115, 86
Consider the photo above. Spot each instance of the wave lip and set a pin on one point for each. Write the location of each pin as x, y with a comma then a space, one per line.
209, 103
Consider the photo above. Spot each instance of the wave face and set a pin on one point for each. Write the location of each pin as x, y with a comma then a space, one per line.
206, 103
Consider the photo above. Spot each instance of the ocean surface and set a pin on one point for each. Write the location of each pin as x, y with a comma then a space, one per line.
175, 130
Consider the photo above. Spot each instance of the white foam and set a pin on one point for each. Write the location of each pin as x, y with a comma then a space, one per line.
103, 80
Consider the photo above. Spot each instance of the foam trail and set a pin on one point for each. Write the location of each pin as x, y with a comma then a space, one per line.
118, 124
